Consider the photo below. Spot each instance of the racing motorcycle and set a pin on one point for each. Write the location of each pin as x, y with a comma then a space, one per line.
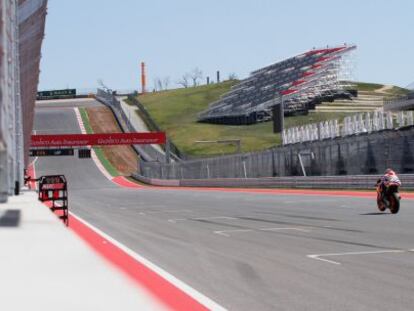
391, 198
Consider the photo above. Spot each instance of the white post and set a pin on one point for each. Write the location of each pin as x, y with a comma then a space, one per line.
400, 118
321, 131
410, 119
390, 124
381, 125
368, 124
336, 126
301, 164
244, 169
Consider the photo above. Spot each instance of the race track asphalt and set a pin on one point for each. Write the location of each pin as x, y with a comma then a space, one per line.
250, 251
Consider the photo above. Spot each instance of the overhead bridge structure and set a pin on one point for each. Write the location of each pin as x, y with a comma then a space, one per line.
297, 83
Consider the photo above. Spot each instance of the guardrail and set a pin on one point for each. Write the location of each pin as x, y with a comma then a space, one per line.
146, 152
313, 182
152, 125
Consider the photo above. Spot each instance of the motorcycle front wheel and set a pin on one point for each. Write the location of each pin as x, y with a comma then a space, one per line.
394, 203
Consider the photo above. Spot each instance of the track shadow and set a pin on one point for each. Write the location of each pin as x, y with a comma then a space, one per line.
375, 214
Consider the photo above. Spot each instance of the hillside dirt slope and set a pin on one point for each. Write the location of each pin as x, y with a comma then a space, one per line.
123, 158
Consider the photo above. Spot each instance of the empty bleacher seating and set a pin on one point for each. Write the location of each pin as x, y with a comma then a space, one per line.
298, 82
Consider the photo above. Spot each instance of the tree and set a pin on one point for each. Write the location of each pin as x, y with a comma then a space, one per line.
185, 80
156, 84
166, 82
195, 75
159, 84
232, 76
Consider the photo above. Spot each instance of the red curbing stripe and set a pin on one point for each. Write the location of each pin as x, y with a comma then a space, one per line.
123, 182
166, 292
325, 193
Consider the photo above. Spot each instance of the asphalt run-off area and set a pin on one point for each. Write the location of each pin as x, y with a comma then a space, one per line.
247, 250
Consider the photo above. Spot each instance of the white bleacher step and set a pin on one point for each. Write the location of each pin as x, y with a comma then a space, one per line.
339, 111
353, 104
346, 108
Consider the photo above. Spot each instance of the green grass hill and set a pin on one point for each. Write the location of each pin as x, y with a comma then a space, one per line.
175, 111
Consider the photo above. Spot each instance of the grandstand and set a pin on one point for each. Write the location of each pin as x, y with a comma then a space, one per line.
299, 82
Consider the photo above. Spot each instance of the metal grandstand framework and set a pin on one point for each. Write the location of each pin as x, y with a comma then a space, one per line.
298, 82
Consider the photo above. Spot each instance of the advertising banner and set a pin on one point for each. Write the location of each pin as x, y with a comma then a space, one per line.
72, 140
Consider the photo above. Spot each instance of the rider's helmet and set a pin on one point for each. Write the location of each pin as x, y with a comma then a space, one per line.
389, 171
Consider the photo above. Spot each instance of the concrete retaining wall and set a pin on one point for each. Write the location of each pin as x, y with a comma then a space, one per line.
351, 155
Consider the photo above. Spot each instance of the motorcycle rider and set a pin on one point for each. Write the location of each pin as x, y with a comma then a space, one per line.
389, 178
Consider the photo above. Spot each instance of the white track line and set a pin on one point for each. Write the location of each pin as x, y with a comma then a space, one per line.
226, 232
165, 212
93, 154
279, 229
175, 220
318, 256
204, 300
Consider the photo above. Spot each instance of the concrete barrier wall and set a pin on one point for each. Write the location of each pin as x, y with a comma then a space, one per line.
351, 155
359, 154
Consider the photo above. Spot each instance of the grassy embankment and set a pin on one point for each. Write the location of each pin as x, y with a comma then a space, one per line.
375, 87
175, 111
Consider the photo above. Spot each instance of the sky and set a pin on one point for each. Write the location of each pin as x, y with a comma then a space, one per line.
91, 40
